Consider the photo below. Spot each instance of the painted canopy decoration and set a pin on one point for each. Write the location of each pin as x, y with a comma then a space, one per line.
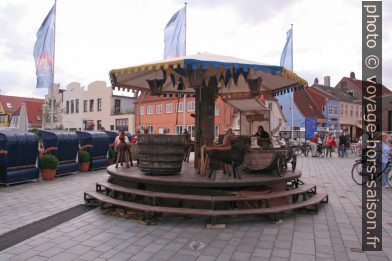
176, 75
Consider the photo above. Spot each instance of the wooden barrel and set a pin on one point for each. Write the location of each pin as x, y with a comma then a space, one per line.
160, 154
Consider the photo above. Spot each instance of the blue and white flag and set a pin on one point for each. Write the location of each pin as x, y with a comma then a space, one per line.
44, 50
286, 60
175, 35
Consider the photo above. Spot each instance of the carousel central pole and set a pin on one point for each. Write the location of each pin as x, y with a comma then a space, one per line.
205, 116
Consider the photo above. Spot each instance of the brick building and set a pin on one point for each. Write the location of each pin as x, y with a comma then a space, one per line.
164, 115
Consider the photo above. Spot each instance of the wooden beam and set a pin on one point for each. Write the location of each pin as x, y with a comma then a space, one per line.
205, 116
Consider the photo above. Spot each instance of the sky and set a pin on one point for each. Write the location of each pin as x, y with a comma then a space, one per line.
95, 36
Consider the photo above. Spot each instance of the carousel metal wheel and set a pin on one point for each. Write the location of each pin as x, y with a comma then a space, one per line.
294, 163
282, 165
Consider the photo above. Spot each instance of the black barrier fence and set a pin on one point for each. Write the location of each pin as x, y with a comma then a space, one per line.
372, 125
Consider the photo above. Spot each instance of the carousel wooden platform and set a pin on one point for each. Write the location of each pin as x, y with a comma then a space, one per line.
190, 194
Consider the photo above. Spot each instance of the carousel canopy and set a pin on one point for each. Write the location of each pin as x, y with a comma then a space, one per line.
232, 74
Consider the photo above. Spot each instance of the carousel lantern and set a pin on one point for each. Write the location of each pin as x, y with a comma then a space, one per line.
195, 76
180, 85
156, 86
254, 85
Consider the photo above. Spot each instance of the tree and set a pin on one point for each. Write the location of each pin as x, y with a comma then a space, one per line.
46, 114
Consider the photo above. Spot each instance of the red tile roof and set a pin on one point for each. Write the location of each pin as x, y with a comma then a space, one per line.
34, 113
306, 104
358, 84
11, 104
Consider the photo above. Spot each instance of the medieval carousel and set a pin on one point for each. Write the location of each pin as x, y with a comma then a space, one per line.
241, 176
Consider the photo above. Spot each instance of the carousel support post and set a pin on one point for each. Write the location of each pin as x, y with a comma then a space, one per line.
205, 114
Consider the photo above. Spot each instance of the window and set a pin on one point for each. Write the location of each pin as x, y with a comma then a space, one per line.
169, 108
330, 110
92, 105
191, 106
351, 110
99, 124
141, 128
217, 110
122, 124
150, 129
346, 109
356, 111
158, 109
77, 106
350, 93
216, 131
117, 106
323, 108
191, 129
72, 106
335, 110
141, 110
180, 107
149, 109
178, 129
85, 106
67, 107
99, 104
341, 109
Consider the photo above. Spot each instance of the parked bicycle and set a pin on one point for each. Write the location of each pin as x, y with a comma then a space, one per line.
361, 177
303, 149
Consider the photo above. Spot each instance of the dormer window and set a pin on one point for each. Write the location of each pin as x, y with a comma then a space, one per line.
350, 93
9, 105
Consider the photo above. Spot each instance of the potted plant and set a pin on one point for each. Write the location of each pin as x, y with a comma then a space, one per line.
48, 165
84, 159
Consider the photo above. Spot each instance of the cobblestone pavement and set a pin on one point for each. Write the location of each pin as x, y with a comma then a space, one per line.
332, 234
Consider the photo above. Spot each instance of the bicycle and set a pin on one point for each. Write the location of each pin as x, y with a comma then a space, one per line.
303, 149
360, 177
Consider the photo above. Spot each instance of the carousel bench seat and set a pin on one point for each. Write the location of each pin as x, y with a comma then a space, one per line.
147, 208
103, 199
152, 194
146, 193
313, 201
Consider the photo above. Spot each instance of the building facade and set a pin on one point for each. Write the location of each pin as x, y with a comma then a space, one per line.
166, 115
96, 107
304, 107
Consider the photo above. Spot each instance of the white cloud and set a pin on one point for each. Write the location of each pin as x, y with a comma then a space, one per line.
96, 36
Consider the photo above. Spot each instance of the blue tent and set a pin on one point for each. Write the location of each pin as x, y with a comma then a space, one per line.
18, 157
67, 144
100, 145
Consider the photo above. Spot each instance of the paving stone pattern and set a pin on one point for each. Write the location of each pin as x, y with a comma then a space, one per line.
332, 234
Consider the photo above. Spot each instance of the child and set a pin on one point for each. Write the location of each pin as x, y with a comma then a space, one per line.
121, 145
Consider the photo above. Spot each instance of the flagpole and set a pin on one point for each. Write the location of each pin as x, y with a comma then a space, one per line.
185, 26
292, 95
54, 55
185, 107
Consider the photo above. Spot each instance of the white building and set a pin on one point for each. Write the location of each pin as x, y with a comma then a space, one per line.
96, 107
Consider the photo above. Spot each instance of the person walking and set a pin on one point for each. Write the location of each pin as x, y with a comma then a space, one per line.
313, 144
329, 144
342, 144
347, 144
